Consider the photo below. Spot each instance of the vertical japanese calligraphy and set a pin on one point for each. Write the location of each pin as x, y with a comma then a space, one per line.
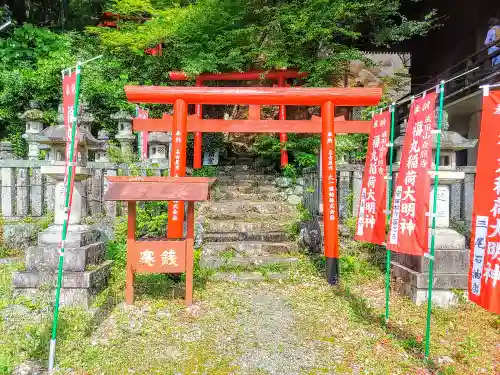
409, 221
178, 167
371, 212
143, 136
329, 185
484, 270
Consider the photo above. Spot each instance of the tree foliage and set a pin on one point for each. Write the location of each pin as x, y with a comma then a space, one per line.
318, 36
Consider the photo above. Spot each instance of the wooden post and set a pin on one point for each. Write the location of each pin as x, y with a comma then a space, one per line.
189, 254
198, 136
178, 167
129, 286
329, 182
282, 116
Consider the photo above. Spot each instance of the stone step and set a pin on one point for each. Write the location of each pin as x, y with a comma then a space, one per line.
242, 208
247, 177
218, 262
249, 277
237, 160
236, 195
247, 248
231, 226
248, 172
247, 189
247, 236
250, 216
46, 257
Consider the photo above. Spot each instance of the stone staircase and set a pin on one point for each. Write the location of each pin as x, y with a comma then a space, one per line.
246, 222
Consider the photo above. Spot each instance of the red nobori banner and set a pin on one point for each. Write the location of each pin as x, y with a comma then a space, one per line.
373, 201
409, 227
484, 270
69, 100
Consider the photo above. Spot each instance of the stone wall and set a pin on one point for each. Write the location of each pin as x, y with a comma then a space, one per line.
26, 192
349, 180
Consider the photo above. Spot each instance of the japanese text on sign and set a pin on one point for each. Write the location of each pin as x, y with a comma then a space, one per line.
409, 223
484, 269
371, 211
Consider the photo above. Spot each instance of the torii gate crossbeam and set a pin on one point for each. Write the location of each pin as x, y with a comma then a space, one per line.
328, 98
280, 76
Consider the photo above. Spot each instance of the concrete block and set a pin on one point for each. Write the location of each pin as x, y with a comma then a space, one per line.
43, 258
78, 236
447, 281
446, 261
71, 280
19, 235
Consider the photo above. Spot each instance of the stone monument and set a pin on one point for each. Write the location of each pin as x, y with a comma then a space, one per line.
124, 135
451, 254
85, 270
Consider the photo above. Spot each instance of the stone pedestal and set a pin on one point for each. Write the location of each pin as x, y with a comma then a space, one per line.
85, 273
451, 256
450, 270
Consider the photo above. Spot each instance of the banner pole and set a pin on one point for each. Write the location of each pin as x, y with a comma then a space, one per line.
139, 138
433, 230
69, 194
392, 108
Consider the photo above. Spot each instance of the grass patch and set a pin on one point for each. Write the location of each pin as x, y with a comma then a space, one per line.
340, 329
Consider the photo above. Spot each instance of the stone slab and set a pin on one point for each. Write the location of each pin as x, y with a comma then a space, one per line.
248, 248
446, 261
247, 236
71, 280
442, 206
447, 239
44, 258
19, 235
447, 281
78, 236
216, 262
441, 298
68, 297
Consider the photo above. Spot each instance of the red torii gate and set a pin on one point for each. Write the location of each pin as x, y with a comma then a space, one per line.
328, 98
280, 76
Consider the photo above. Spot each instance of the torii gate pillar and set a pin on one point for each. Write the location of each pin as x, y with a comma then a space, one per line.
328, 98
329, 190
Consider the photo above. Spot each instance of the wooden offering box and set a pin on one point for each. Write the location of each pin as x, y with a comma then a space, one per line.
169, 255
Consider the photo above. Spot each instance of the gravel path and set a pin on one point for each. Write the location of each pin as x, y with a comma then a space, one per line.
272, 343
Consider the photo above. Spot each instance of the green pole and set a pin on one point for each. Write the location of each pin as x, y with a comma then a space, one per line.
388, 214
139, 136
70, 167
433, 231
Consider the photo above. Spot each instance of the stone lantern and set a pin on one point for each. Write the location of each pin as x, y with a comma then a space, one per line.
451, 253
34, 125
101, 155
158, 143
82, 247
85, 118
124, 135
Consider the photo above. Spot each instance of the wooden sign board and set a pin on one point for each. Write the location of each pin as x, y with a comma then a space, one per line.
157, 256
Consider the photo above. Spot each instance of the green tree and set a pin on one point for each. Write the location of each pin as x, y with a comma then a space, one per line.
318, 36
